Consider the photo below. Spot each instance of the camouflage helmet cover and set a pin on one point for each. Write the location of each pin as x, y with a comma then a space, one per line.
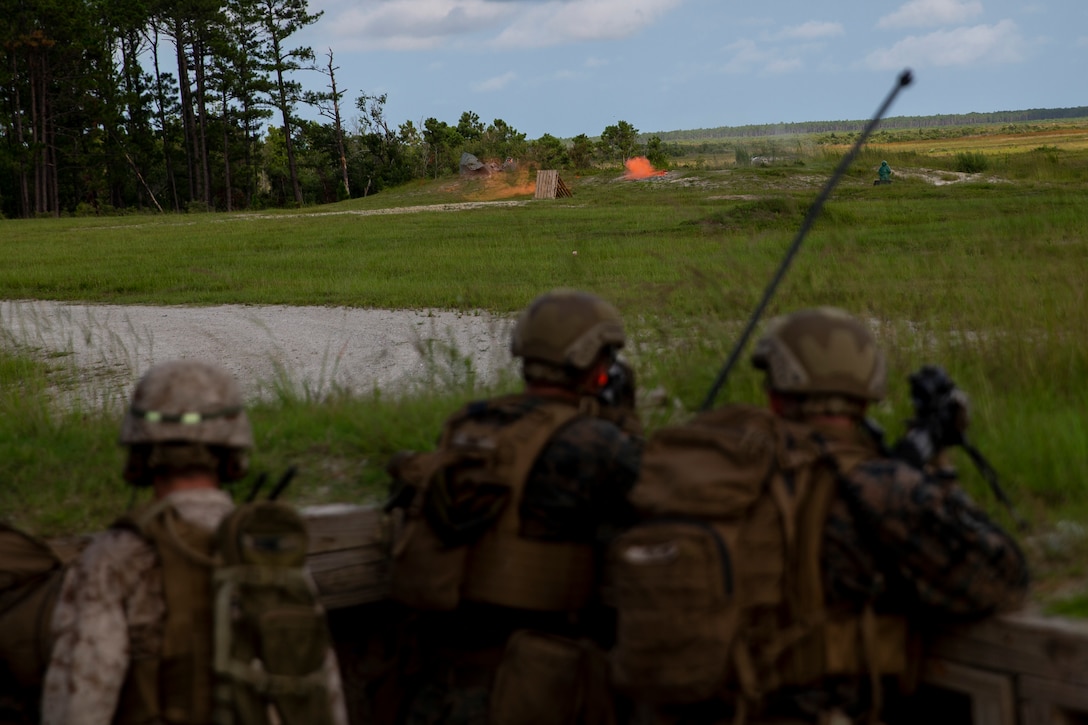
187, 401
567, 328
821, 351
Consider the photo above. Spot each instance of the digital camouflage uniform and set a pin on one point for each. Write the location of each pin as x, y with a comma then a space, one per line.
576, 491
112, 610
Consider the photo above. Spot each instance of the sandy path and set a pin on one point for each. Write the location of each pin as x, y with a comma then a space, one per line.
314, 349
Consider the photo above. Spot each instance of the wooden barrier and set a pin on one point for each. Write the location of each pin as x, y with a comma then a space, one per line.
1017, 669
549, 185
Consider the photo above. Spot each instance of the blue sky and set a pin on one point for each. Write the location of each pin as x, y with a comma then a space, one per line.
566, 67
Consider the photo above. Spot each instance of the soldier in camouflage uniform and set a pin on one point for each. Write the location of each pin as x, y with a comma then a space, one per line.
573, 498
186, 433
901, 536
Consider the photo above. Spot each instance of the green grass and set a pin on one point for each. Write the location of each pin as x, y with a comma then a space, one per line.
985, 277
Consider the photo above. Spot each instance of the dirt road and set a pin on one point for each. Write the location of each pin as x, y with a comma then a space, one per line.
312, 349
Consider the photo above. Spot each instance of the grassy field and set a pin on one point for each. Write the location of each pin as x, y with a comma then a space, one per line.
983, 273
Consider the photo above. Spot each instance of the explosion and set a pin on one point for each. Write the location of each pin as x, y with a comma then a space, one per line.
503, 185
641, 168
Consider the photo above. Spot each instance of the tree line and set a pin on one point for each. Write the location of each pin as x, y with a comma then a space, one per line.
109, 106
892, 122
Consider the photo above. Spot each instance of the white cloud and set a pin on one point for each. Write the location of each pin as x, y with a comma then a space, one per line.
931, 13
745, 56
555, 22
422, 24
975, 45
748, 57
494, 84
413, 24
811, 30
783, 65
781, 51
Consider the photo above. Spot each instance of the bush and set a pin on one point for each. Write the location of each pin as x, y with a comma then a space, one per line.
971, 162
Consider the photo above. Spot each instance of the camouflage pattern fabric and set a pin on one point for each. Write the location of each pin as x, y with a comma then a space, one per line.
577, 489
112, 609
912, 544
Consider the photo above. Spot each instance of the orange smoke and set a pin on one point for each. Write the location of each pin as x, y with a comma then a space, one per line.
641, 168
503, 185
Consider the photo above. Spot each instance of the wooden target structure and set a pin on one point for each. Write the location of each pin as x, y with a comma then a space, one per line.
549, 185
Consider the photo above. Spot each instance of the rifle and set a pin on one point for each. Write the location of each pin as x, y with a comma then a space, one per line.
940, 420
281, 485
904, 80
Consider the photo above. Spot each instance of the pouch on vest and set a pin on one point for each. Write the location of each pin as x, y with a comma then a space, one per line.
456, 531
544, 679
719, 594
31, 575
270, 634
673, 581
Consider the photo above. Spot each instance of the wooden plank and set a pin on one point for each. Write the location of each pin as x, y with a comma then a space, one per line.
993, 697
546, 182
1050, 648
347, 586
342, 526
561, 188
1066, 696
1035, 712
348, 556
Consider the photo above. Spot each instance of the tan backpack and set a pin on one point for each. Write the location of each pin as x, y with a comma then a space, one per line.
31, 575
456, 518
245, 639
719, 592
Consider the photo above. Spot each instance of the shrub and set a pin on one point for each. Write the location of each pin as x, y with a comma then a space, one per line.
971, 162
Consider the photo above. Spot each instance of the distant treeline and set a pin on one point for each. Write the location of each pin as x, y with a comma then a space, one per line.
893, 122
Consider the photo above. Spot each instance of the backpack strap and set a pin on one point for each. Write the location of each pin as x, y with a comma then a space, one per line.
818, 643
875, 639
31, 575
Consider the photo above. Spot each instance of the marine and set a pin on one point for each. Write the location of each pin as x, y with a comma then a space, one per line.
133, 624
501, 528
834, 549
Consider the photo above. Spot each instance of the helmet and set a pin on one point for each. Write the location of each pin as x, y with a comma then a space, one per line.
187, 401
821, 351
566, 328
